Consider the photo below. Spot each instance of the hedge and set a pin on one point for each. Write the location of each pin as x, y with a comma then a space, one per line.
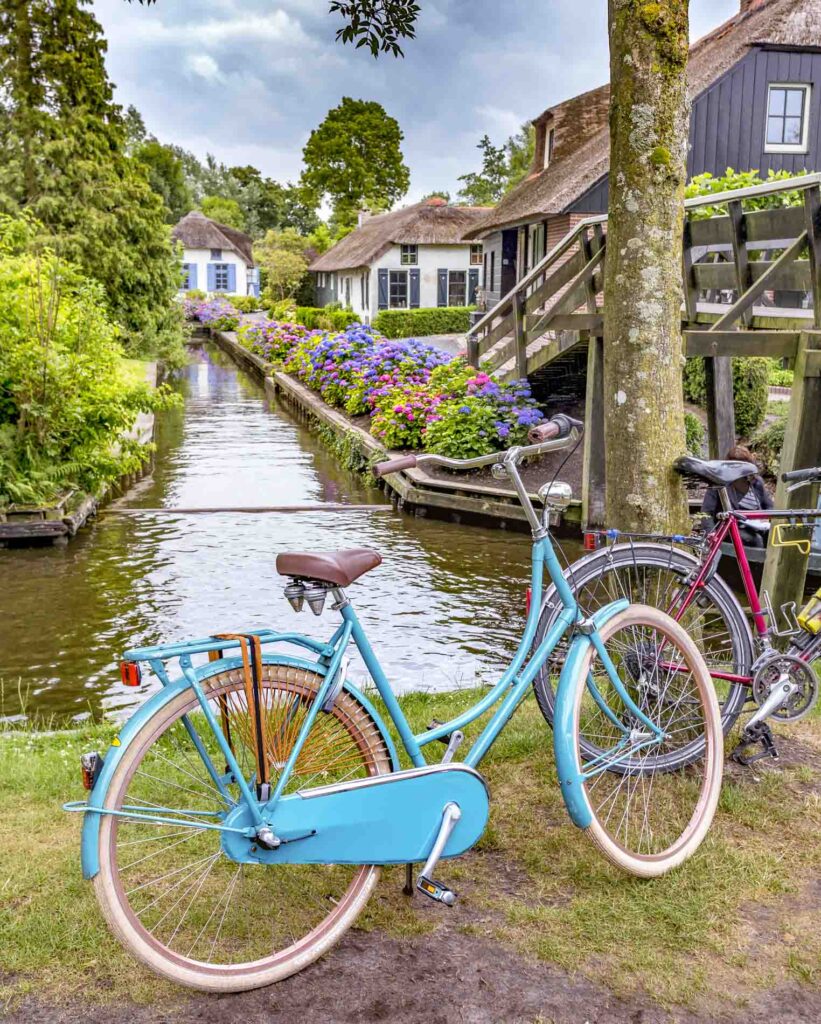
750, 389
417, 323
314, 317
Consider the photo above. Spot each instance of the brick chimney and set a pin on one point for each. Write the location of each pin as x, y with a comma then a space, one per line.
436, 201
751, 5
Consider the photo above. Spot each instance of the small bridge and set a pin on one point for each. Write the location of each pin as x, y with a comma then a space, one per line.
751, 286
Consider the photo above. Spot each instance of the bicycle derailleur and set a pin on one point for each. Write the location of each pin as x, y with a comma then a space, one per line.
785, 688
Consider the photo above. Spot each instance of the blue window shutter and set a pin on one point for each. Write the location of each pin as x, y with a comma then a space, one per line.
442, 288
232, 277
473, 284
414, 288
383, 289
212, 277
192, 276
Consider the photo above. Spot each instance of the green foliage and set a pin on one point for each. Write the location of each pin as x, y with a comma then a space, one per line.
354, 159
284, 263
779, 377
224, 211
503, 167
246, 303
411, 323
750, 384
377, 24
323, 318
768, 441
693, 434
63, 158
65, 399
465, 429
705, 185
196, 295
166, 176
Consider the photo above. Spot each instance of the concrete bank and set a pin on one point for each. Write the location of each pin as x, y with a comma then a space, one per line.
413, 490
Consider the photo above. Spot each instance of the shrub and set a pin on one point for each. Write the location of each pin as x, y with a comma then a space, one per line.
387, 365
195, 295
750, 384
768, 442
327, 319
409, 323
284, 310
693, 434
273, 341
67, 402
245, 303
217, 313
779, 377
399, 421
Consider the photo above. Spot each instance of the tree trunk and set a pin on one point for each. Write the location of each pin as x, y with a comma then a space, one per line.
643, 356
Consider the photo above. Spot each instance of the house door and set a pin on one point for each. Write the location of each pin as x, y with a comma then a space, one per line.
509, 252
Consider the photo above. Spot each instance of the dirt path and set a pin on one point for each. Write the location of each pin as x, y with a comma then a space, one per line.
441, 978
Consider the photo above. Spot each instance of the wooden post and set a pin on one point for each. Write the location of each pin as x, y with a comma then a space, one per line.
593, 493
718, 372
785, 569
520, 333
812, 222
473, 351
742, 263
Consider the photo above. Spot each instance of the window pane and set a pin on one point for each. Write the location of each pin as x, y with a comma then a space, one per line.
795, 102
457, 294
398, 282
777, 101
775, 130
792, 131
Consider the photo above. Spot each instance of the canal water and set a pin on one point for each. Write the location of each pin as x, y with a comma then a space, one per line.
443, 610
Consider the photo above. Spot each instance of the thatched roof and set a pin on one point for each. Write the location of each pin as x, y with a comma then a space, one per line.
582, 157
196, 231
431, 222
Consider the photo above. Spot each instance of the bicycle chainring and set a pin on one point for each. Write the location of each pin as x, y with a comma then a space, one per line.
773, 671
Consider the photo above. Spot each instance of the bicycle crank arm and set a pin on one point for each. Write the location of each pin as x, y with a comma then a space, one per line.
782, 690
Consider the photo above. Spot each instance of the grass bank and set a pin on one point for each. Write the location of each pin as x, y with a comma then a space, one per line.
738, 918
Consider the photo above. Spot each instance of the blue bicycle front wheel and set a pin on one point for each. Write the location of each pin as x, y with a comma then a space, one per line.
644, 817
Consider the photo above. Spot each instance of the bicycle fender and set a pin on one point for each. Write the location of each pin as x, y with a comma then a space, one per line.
89, 842
564, 735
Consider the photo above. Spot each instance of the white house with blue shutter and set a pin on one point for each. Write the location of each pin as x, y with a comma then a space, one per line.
215, 257
411, 258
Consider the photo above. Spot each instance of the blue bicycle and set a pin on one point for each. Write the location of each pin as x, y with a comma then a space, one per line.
235, 828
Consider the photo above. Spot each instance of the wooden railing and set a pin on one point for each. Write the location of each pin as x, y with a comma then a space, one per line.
751, 285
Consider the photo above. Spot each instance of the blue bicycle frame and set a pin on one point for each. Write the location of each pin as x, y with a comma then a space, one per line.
508, 693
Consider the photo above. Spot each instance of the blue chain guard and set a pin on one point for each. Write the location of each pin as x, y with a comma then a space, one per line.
385, 819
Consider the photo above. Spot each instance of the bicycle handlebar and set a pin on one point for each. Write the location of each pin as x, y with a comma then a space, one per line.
546, 437
802, 474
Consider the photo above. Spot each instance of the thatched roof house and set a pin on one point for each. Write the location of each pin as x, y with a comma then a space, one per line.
417, 256
216, 257
734, 76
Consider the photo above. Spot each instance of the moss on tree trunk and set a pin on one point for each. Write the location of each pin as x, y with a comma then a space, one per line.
643, 403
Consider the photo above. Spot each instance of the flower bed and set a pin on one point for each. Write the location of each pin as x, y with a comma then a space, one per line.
418, 397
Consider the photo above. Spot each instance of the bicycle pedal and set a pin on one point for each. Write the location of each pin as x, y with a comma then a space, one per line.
436, 891
434, 724
750, 738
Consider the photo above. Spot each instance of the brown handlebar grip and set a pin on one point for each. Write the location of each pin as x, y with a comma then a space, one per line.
394, 465
543, 432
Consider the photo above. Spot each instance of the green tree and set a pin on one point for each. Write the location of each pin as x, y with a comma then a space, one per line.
436, 195
282, 255
520, 149
225, 211
354, 159
63, 159
486, 187
166, 176
135, 133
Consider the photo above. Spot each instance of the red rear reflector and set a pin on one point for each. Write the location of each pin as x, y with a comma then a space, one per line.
130, 673
591, 542
528, 599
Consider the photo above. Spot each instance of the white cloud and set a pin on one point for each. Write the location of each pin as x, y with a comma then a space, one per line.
499, 121
204, 66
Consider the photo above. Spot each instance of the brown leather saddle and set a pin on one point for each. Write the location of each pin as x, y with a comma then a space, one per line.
341, 568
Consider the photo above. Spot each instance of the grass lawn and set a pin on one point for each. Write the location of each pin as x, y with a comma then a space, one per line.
740, 916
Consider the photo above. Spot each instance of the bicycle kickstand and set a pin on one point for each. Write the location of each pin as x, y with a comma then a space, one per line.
760, 733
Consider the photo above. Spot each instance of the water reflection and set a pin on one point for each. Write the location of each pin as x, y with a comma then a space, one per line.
444, 609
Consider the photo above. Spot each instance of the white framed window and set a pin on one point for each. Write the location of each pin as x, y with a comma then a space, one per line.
788, 108
457, 288
549, 140
476, 255
216, 254
409, 256
398, 289
221, 277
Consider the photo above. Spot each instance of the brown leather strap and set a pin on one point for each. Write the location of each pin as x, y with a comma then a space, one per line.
223, 703
251, 649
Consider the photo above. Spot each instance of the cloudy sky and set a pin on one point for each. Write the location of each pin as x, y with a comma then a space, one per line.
247, 80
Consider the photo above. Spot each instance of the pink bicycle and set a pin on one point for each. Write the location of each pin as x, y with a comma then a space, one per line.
769, 664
